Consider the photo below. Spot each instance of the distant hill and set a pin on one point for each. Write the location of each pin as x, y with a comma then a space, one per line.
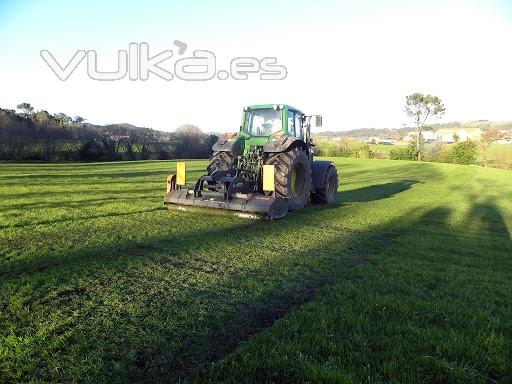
396, 133
366, 133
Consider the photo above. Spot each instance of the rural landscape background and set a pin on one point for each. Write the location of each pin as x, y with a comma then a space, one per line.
27, 134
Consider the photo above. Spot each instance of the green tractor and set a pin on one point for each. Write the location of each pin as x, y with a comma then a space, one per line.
264, 170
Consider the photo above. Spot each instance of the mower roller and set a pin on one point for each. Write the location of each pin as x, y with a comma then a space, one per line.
263, 171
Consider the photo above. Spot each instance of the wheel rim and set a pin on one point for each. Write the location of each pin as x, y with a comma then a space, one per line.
331, 186
297, 180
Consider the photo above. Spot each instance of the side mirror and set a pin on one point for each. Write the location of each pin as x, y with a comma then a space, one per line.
315, 121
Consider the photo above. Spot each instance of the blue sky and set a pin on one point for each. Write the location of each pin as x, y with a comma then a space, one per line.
352, 61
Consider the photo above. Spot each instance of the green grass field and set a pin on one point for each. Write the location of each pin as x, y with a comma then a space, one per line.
407, 278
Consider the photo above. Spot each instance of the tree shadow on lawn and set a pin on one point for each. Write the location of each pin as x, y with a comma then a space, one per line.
435, 311
493, 222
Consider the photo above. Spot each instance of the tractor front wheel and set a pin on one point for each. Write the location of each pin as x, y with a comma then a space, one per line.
292, 176
220, 161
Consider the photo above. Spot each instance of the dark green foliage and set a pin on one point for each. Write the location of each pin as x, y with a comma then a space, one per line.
91, 150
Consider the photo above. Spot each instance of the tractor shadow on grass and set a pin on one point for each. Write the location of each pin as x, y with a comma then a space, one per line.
375, 192
432, 289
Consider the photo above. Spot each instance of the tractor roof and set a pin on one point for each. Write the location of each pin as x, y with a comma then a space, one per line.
264, 106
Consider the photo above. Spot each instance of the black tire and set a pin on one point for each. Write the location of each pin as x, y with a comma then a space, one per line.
327, 194
292, 176
221, 161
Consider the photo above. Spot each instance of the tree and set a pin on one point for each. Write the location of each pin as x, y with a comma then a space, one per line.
188, 138
62, 119
26, 108
189, 130
421, 108
456, 138
78, 119
42, 117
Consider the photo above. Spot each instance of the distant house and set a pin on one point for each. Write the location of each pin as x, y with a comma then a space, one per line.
378, 140
450, 135
372, 140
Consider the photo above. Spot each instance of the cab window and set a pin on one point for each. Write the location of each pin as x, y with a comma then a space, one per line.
263, 122
298, 125
291, 123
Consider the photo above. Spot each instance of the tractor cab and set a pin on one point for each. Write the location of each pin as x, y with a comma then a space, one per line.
269, 119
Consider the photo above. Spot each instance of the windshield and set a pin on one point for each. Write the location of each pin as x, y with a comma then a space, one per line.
263, 122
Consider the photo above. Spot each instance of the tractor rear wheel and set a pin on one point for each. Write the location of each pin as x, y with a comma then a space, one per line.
220, 161
292, 176
327, 194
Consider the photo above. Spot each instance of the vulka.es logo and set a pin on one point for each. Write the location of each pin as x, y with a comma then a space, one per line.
137, 64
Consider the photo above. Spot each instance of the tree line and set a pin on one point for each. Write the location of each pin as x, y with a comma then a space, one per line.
26, 134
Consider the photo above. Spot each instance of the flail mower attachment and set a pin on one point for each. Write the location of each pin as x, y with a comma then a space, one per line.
224, 191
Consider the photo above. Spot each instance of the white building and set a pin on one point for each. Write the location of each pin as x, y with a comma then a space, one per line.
451, 135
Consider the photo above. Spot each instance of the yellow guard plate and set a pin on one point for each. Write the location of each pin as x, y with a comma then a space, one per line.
181, 173
268, 178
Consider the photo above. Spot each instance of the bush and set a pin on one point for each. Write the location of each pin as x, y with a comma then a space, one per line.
462, 153
340, 150
362, 152
343, 148
436, 153
91, 151
321, 148
404, 153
